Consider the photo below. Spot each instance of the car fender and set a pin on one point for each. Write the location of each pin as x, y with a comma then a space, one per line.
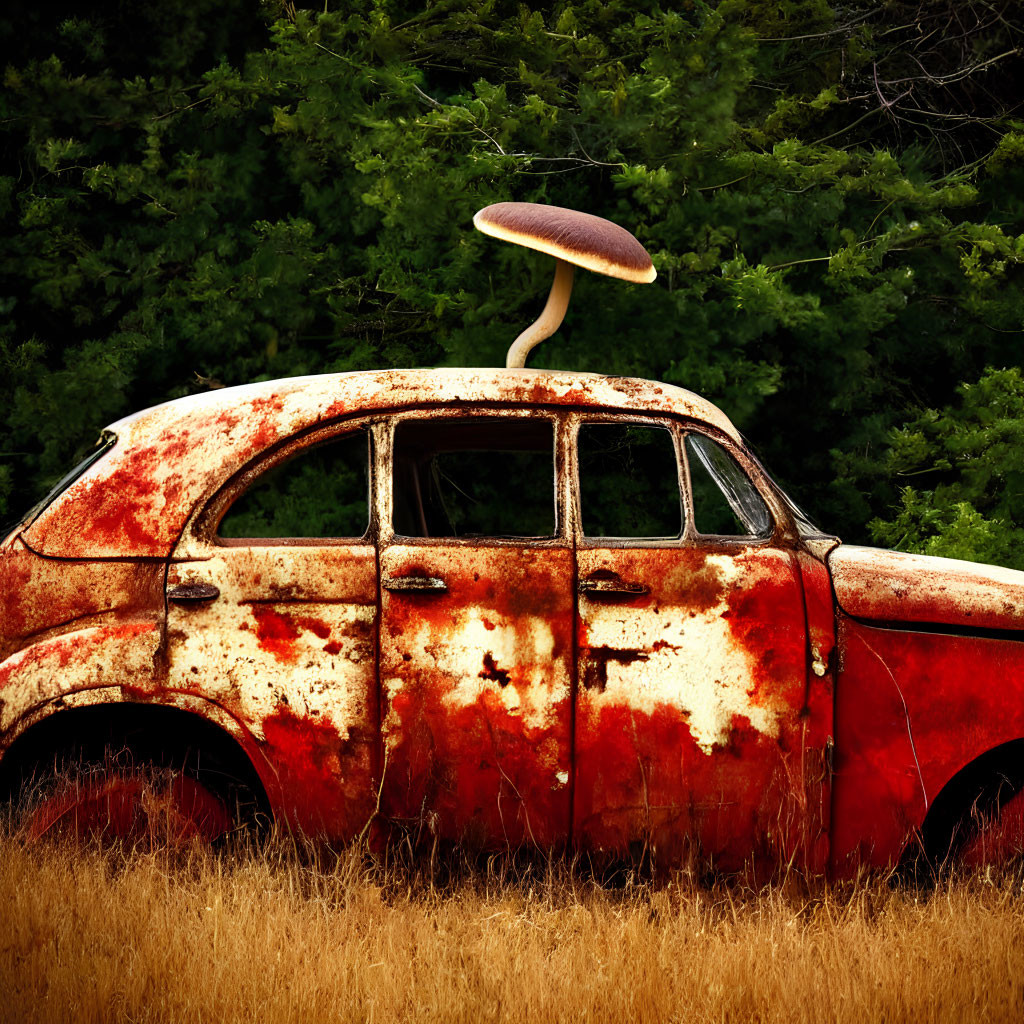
78, 660
913, 708
111, 664
107, 664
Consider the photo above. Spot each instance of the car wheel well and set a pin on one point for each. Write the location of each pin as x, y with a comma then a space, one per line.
974, 795
135, 734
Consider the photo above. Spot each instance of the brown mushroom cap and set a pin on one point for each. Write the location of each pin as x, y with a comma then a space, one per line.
580, 238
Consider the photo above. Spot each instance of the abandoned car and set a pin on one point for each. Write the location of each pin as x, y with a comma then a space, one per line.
497, 607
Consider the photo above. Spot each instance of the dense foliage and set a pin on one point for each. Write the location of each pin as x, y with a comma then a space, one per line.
206, 193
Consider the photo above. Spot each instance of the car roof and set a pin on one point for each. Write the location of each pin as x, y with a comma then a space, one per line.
135, 501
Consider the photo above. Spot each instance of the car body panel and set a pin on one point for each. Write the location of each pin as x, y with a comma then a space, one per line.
476, 690
39, 676
912, 709
289, 647
892, 586
693, 724
40, 596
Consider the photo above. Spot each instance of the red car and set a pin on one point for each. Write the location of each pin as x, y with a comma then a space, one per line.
501, 608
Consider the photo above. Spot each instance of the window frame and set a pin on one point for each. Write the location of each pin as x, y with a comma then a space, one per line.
581, 419
206, 526
490, 411
745, 539
783, 533
380, 427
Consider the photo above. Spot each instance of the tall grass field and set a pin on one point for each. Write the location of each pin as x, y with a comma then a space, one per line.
284, 934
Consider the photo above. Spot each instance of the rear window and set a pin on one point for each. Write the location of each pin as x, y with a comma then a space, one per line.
106, 441
321, 492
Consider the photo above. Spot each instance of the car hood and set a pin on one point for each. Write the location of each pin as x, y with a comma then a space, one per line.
893, 587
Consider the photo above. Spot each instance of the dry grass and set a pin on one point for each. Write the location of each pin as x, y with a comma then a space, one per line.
282, 936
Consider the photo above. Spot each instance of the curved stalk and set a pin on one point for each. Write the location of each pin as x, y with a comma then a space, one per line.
550, 318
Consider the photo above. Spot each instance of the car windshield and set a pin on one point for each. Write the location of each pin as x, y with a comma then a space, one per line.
104, 443
805, 526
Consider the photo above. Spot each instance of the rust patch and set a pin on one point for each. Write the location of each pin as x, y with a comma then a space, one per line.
897, 587
476, 686
137, 499
39, 594
595, 667
312, 790
491, 671
81, 660
62, 650
691, 723
277, 631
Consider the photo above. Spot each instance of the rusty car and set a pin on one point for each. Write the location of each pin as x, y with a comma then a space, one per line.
503, 608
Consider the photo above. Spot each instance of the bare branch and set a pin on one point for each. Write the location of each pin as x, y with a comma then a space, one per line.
845, 27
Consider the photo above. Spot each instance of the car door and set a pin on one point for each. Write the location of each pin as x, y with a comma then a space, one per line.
272, 615
692, 713
476, 654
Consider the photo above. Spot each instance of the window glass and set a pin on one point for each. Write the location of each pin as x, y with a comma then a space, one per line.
321, 492
106, 441
805, 526
725, 502
629, 481
478, 477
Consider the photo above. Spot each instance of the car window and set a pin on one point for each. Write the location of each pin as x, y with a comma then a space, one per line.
321, 492
629, 481
104, 444
725, 502
474, 477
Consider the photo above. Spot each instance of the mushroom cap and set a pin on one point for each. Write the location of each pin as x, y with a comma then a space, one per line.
580, 238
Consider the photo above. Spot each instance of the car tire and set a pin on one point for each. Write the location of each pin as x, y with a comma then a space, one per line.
997, 837
142, 804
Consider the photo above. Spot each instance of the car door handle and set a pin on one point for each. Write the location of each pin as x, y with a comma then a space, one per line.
421, 584
193, 593
615, 585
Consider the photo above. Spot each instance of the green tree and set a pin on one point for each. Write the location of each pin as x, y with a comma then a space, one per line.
967, 495
831, 193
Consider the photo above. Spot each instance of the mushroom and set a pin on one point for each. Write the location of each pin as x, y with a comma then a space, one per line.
572, 238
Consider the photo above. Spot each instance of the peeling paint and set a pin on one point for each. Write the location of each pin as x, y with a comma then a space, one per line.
136, 500
289, 649
81, 659
477, 685
694, 729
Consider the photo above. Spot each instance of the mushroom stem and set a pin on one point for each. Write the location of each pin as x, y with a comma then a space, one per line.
550, 318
